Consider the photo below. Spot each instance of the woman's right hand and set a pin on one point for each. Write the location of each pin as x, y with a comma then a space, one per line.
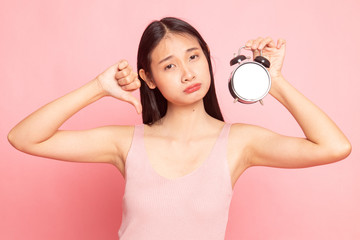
119, 81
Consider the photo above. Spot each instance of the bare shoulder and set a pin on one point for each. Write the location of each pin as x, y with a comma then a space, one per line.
124, 130
245, 131
246, 134
119, 133
239, 132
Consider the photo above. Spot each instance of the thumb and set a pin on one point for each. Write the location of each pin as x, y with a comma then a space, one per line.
133, 101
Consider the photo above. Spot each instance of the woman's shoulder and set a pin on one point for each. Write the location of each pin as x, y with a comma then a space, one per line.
244, 132
118, 129
236, 127
121, 135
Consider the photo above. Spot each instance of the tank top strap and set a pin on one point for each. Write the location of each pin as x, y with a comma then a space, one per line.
136, 152
221, 143
225, 132
137, 137
138, 131
218, 163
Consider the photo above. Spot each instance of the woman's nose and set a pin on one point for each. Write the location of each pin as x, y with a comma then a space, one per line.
188, 74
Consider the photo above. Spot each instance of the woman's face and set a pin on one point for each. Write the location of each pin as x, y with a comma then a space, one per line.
180, 69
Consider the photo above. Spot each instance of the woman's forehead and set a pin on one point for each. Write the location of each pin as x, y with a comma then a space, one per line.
173, 44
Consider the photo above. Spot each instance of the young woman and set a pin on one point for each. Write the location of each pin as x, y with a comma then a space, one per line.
181, 165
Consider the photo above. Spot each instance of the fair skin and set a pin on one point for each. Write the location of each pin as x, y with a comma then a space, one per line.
182, 140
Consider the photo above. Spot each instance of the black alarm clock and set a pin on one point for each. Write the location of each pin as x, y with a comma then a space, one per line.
250, 82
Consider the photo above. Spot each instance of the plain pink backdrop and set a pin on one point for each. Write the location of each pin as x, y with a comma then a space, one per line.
49, 48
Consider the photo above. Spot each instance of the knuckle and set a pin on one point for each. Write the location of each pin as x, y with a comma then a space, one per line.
125, 72
124, 62
127, 80
123, 81
118, 75
133, 85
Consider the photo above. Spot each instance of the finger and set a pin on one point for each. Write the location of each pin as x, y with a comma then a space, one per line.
256, 43
133, 101
123, 73
248, 44
122, 64
126, 80
267, 42
132, 86
281, 42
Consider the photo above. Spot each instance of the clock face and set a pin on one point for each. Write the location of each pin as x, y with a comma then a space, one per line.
251, 82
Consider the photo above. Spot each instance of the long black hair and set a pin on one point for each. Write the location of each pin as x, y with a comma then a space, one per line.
153, 102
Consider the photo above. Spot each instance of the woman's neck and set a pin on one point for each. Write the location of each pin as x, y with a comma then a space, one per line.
182, 121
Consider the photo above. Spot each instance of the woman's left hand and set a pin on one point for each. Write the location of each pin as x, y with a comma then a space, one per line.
274, 53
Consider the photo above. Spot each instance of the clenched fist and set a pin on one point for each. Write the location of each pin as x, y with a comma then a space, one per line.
119, 81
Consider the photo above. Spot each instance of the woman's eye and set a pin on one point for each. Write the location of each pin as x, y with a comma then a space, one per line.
192, 57
169, 66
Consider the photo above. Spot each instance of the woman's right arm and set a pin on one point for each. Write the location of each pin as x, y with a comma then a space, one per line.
39, 134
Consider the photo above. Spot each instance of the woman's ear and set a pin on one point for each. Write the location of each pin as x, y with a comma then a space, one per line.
147, 79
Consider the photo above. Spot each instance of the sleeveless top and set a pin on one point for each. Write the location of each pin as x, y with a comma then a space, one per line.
191, 207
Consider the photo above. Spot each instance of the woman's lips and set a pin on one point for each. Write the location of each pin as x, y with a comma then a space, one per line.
193, 88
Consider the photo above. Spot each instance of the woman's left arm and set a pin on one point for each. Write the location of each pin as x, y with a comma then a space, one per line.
324, 142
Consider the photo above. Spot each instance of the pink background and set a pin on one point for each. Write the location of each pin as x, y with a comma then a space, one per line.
49, 48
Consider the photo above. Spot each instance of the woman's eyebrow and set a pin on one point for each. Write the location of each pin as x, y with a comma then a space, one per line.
169, 57
192, 49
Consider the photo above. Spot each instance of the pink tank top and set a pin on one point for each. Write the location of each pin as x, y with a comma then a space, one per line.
191, 207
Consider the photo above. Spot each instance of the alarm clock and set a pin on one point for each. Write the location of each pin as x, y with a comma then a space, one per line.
250, 82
